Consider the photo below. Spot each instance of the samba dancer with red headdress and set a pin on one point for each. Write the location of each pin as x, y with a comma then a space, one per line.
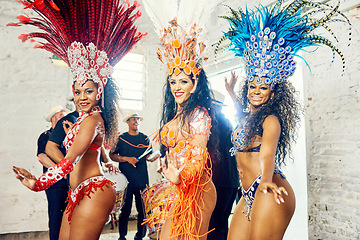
91, 36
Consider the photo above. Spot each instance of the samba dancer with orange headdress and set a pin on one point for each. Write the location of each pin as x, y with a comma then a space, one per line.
186, 122
91, 36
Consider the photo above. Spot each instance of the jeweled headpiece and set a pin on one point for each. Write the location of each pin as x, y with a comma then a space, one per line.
181, 50
270, 37
91, 36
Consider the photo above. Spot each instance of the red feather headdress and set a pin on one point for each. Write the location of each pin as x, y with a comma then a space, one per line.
91, 36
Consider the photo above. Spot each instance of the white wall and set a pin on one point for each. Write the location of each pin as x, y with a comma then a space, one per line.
332, 101
30, 86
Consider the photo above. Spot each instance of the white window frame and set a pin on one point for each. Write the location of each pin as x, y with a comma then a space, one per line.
130, 75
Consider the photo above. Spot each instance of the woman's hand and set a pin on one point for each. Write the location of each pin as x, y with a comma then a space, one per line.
67, 126
267, 186
231, 85
230, 88
111, 168
171, 171
25, 177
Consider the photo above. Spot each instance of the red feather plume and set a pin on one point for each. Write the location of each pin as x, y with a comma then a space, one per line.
108, 24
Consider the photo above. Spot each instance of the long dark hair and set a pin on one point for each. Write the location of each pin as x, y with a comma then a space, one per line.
202, 97
284, 106
111, 110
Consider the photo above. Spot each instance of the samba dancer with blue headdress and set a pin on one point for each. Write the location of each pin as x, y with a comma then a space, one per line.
268, 39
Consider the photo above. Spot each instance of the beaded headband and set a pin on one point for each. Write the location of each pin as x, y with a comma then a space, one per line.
269, 38
264, 58
89, 63
91, 36
181, 50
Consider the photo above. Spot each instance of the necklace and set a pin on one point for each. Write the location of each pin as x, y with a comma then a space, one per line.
70, 136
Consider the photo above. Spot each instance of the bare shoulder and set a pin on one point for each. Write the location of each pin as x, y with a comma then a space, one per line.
271, 122
93, 121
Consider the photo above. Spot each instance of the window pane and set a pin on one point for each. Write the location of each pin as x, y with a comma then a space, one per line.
130, 66
133, 76
133, 57
131, 104
129, 74
130, 85
129, 94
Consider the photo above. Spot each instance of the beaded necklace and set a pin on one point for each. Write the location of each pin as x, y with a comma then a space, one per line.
70, 136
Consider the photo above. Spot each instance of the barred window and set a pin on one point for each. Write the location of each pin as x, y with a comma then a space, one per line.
130, 76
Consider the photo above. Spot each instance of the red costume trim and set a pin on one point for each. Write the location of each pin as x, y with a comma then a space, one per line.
70, 136
85, 188
53, 174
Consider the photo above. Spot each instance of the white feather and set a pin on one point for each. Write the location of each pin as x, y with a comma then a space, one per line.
161, 12
196, 11
187, 12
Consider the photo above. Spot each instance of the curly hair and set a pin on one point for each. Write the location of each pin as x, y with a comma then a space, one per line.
284, 106
111, 110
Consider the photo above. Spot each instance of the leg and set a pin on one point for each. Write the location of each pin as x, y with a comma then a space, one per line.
220, 215
65, 228
90, 216
141, 228
269, 220
125, 213
239, 226
56, 205
207, 207
165, 229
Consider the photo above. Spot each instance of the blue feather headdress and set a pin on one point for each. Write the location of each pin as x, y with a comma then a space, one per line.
268, 38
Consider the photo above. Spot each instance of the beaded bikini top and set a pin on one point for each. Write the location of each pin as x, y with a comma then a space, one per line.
239, 142
200, 124
70, 137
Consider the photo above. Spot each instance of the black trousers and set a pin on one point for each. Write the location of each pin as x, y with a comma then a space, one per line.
126, 210
221, 213
56, 198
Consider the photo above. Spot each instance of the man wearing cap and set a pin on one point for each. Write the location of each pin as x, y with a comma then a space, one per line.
130, 153
57, 193
54, 147
224, 168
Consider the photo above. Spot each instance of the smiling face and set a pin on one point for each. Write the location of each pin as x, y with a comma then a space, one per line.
181, 86
258, 94
85, 96
133, 123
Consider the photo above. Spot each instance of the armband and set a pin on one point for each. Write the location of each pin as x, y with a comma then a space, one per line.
53, 174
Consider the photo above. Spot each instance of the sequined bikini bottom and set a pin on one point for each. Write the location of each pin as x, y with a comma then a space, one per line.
85, 188
249, 194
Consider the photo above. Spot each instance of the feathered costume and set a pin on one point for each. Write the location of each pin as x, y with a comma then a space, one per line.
91, 36
268, 38
179, 28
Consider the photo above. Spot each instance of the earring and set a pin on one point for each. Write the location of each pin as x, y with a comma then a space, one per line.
247, 109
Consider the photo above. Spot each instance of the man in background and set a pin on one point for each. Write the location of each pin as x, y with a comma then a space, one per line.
129, 152
57, 193
54, 147
224, 168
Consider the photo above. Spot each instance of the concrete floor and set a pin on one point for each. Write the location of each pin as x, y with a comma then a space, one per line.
113, 234
107, 234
